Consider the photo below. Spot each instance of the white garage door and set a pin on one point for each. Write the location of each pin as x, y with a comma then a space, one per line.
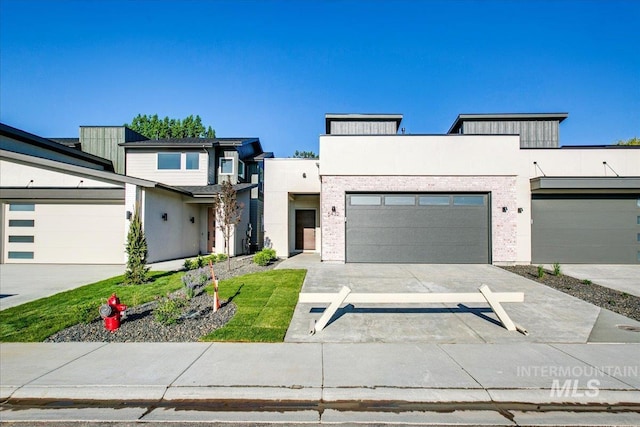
64, 233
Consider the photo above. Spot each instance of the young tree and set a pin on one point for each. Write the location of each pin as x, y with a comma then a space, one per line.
136, 249
228, 214
153, 127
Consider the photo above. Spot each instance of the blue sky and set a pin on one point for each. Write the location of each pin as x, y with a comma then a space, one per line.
272, 69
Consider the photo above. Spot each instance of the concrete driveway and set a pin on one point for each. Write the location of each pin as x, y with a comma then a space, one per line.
20, 283
550, 316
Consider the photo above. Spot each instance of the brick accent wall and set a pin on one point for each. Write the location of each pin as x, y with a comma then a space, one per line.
501, 188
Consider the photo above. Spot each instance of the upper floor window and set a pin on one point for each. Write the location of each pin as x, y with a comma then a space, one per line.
168, 160
226, 166
241, 168
193, 161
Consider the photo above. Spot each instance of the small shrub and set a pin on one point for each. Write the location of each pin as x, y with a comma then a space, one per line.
540, 272
169, 310
556, 269
261, 258
213, 258
195, 279
264, 257
188, 264
222, 257
586, 282
199, 261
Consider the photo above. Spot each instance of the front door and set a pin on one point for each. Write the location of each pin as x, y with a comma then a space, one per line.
211, 230
305, 230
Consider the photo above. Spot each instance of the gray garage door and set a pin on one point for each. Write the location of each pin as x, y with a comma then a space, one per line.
601, 229
418, 228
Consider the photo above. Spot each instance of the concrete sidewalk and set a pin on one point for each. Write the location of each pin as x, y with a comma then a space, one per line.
165, 375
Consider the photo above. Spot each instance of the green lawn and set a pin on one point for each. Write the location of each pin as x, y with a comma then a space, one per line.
265, 303
36, 320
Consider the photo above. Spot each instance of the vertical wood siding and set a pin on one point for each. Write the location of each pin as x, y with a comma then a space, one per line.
534, 133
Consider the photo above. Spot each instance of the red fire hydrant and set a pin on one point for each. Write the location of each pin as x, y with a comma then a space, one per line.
111, 312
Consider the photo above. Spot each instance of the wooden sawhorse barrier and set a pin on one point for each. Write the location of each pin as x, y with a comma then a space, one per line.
335, 300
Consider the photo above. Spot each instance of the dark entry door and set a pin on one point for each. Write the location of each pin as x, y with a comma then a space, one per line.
305, 230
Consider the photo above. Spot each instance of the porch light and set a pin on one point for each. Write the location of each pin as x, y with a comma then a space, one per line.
333, 209
128, 214
193, 220
304, 174
505, 209
165, 216
520, 210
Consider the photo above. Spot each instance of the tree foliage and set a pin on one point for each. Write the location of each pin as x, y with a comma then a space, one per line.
228, 214
154, 127
630, 141
136, 249
305, 155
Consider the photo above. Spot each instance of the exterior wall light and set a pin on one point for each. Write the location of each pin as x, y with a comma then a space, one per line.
520, 210
193, 220
128, 214
333, 209
304, 174
505, 209
165, 216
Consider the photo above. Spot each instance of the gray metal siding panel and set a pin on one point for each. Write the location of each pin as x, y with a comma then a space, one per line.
533, 133
363, 128
103, 142
418, 234
601, 230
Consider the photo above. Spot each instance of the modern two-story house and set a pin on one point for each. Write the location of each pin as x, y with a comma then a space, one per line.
496, 188
60, 204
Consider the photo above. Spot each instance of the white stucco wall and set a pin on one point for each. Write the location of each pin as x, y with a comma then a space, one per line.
14, 174
144, 164
177, 237
284, 178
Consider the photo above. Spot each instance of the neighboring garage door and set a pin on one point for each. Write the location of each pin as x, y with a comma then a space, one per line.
64, 233
418, 228
600, 229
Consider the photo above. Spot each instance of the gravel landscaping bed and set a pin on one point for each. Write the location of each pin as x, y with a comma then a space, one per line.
140, 326
611, 299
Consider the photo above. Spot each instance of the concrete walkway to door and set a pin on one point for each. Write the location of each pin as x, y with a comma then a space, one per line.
548, 315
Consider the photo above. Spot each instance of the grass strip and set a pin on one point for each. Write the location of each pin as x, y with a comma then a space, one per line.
265, 303
36, 320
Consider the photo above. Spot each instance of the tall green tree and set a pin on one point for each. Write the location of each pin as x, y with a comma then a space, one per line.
305, 155
153, 127
228, 214
630, 141
136, 249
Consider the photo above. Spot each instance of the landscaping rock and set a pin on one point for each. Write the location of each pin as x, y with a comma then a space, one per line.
610, 299
198, 318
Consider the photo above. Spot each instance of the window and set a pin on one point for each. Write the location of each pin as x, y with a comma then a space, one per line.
433, 200
468, 200
21, 223
20, 239
22, 207
638, 238
241, 168
226, 166
638, 220
20, 255
399, 200
365, 200
193, 161
168, 161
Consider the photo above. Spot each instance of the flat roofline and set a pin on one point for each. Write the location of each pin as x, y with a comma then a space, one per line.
505, 116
